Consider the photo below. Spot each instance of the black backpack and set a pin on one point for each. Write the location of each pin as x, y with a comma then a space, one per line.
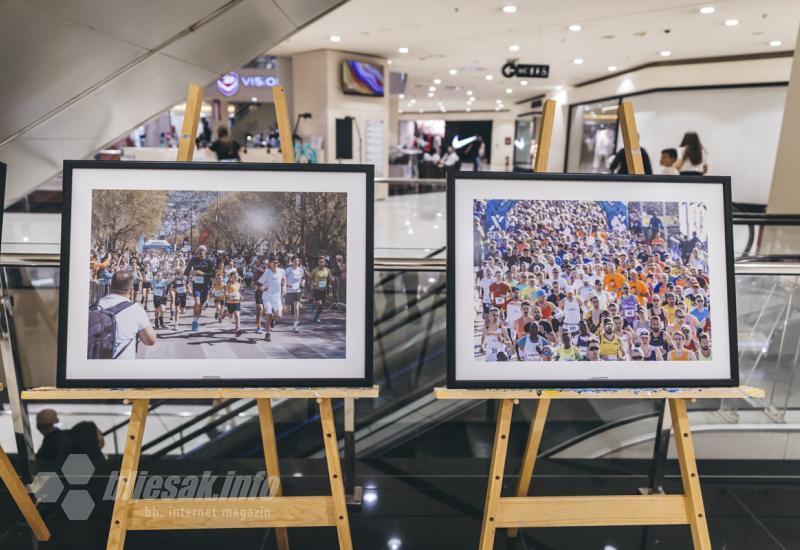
103, 331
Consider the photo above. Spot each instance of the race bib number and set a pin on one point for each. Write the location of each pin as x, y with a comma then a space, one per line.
233, 295
180, 289
159, 291
499, 300
198, 279
219, 293
629, 313
323, 284
295, 286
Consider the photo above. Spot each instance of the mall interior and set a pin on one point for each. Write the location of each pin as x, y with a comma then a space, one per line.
421, 92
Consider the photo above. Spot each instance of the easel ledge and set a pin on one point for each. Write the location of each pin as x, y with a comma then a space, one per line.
739, 392
50, 393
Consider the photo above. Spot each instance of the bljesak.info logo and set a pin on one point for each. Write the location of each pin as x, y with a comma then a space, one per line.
69, 487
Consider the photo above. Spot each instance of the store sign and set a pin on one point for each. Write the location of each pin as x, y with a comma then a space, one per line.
521, 70
229, 83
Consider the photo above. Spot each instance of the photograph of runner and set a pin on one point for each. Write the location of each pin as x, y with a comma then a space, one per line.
217, 275
572, 280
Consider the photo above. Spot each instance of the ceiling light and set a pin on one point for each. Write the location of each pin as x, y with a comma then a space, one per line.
453, 72
437, 81
559, 88
523, 82
513, 48
431, 88
422, 110
489, 77
389, 61
707, 10
775, 43
612, 68
399, 111
665, 53
394, 543
413, 100
430, 94
731, 22
498, 100
578, 61
509, 90
402, 96
469, 110
469, 92
335, 38
254, 99
510, 8
575, 27
402, 49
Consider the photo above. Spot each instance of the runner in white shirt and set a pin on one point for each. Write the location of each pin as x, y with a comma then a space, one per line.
273, 282
295, 281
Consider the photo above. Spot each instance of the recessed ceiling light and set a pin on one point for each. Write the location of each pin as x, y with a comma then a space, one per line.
431, 88
731, 22
402, 49
559, 88
498, 100
430, 94
489, 77
452, 72
578, 61
513, 48
400, 111
523, 82
469, 92
437, 81
775, 43
254, 99
335, 38
468, 109
665, 53
707, 10
575, 27
389, 61
509, 90
612, 68
402, 96
509, 8
413, 100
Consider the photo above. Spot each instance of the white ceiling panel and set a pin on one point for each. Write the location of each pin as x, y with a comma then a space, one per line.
53, 60
146, 23
300, 12
241, 33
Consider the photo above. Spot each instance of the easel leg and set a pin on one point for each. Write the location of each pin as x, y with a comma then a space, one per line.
127, 475
21, 497
531, 451
689, 475
271, 458
335, 474
496, 474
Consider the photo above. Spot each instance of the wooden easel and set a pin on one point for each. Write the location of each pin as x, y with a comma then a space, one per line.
20, 495
524, 511
274, 511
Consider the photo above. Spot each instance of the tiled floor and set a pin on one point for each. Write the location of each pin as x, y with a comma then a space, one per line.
437, 503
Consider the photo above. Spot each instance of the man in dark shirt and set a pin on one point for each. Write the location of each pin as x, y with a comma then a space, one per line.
46, 421
200, 269
620, 164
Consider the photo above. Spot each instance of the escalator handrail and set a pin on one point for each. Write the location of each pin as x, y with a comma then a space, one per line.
174, 431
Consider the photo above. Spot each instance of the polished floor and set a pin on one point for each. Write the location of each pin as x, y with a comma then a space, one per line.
436, 504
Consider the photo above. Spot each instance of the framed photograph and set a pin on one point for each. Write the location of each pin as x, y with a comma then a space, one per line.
215, 274
575, 281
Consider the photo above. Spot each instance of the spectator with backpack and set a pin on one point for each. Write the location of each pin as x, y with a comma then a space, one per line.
115, 323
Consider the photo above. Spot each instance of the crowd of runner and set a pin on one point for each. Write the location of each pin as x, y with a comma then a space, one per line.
558, 282
174, 281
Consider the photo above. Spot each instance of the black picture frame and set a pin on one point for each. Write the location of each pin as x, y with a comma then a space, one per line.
452, 379
2, 196
63, 331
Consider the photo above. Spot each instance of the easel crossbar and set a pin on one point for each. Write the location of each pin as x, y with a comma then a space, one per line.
587, 511
231, 513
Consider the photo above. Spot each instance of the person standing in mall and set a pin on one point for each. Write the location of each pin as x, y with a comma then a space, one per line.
46, 421
226, 148
692, 156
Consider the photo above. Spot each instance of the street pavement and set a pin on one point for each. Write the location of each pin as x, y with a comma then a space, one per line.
217, 340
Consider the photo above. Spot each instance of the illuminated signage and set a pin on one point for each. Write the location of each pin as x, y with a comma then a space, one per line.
229, 83
525, 71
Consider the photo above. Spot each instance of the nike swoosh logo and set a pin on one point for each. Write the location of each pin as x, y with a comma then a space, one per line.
459, 143
519, 143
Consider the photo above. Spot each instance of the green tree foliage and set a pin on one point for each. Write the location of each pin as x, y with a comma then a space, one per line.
119, 217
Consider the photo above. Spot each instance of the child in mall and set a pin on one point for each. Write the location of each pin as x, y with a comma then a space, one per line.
668, 159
